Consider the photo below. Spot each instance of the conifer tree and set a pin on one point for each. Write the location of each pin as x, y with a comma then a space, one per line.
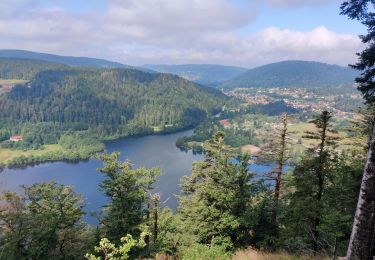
310, 180
215, 197
126, 189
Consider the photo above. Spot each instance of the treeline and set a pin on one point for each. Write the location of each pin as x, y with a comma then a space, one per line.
272, 109
222, 208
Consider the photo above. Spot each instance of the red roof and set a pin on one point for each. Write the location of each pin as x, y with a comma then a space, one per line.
16, 138
224, 122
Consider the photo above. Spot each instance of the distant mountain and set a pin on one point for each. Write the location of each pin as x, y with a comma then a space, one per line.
67, 60
206, 74
289, 74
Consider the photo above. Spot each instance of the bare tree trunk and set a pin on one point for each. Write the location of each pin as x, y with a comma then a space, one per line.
155, 200
360, 244
281, 154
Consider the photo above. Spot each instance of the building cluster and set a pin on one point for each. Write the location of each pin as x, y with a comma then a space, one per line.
298, 98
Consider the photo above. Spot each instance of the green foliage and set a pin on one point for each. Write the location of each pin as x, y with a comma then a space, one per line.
24, 68
146, 100
170, 233
215, 197
81, 144
58, 103
109, 251
362, 11
44, 224
205, 252
317, 218
127, 190
272, 109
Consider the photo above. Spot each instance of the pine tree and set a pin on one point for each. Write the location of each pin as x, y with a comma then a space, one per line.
215, 197
310, 180
127, 190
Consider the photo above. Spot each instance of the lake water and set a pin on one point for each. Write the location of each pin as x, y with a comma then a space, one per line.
147, 151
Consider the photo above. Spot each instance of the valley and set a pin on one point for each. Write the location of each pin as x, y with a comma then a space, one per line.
160, 137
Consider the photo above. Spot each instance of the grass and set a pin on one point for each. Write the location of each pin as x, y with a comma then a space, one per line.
12, 81
7, 155
251, 254
298, 131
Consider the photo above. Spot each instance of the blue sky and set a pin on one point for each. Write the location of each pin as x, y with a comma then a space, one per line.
236, 32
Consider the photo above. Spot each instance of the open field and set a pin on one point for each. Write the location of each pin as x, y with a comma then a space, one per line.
7, 154
251, 254
12, 81
7, 84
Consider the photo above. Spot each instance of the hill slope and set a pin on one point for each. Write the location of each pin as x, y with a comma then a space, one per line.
288, 74
26, 69
121, 101
67, 60
206, 74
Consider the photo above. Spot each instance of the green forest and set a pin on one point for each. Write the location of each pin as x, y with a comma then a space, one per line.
97, 105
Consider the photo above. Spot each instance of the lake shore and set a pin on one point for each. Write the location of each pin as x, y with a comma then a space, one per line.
17, 158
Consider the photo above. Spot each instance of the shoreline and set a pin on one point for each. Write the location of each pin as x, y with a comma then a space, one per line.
24, 161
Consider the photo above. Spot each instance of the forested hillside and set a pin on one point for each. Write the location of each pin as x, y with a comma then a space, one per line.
206, 74
112, 100
26, 69
77, 108
294, 74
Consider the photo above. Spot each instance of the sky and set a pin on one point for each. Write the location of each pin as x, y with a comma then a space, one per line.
246, 33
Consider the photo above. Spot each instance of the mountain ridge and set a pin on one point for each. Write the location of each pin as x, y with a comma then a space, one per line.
66, 60
293, 73
205, 74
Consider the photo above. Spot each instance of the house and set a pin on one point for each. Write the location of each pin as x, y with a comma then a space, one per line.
225, 123
16, 138
251, 149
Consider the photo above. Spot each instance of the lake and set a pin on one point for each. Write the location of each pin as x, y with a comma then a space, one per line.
147, 151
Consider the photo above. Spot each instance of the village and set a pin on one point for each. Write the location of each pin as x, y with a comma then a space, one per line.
301, 99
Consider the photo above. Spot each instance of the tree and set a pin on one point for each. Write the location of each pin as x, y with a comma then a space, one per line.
310, 180
109, 251
44, 224
278, 149
361, 244
216, 196
127, 190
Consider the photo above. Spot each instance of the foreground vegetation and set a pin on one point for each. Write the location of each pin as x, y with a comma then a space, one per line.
222, 209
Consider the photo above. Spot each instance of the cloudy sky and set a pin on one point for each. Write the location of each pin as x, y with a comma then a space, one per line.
235, 32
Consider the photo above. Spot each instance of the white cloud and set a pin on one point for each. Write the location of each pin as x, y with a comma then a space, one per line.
179, 16
164, 31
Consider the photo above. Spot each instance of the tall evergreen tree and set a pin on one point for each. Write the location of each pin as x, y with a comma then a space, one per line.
216, 196
361, 244
127, 190
310, 180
